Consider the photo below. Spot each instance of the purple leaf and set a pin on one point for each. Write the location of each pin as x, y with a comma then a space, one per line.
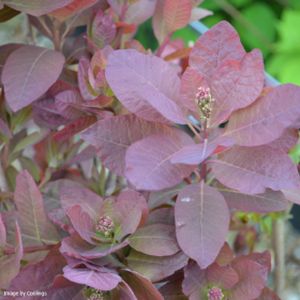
191, 80
224, 276
210, 51
159, 26
125, 292
36, 7
195, 154
114, 135
11, 263
149, 92
86, 89
194, 281
250, 282
286, 141
266, 119
268, 294
82, 223
141, 286
148, 164
75, 247
62, 288
140, 11
156, 268
163, 197
4, 129
73, 193
172, 290
155, 239
236, 85
42, 273
2, 233
68, 103
130, 209
164, 215
199, 236
292, 195
252, 170
46, 115
28, 73
36, 228
262, 203
176, 14
100, 280
5, 51
103, 30
76, 6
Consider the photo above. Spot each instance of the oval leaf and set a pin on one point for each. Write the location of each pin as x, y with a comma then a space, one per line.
28, 73
98, 279
36, 228
146, 85
156, 268
197, 208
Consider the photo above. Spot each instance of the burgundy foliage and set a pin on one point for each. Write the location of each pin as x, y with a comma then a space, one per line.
130, 184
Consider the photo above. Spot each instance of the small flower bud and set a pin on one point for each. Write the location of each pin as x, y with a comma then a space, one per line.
105, 225
204, 101
215, 293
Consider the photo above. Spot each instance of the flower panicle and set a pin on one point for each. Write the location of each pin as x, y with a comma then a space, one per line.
204, 101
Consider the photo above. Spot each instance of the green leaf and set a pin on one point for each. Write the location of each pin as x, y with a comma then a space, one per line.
187, 34
295, 154
261, 32
288, 31
31, 167
285, 67
30, 139
240, 3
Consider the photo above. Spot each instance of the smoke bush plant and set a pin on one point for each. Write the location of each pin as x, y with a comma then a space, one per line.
122, 170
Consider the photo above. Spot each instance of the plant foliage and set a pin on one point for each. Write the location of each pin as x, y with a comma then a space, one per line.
128, 183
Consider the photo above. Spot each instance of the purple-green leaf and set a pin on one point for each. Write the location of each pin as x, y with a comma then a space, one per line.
156, 268
251, 170
155, 239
